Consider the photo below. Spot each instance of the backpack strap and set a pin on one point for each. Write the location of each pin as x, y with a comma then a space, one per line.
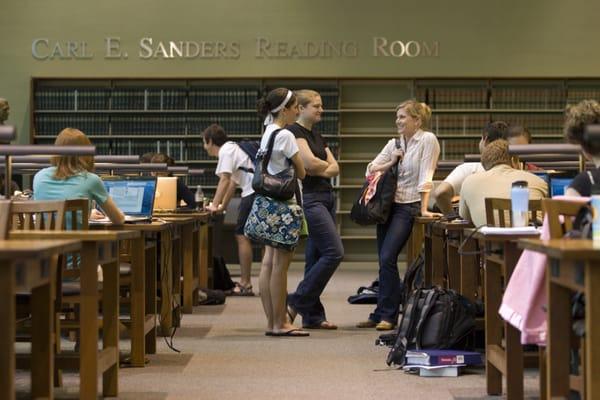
592, 181
427, 306
406, 328
270, 145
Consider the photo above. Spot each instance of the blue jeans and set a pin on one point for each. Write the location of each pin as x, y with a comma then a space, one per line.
324, 252
391, 238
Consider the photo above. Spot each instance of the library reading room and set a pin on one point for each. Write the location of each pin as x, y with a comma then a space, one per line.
316, 200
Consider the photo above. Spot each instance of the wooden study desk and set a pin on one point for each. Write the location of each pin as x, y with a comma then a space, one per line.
573, 266
501, 255
25, 267
416, 239
97, 248
143, 282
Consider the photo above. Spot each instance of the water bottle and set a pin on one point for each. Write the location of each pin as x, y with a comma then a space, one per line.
519, 197
199, 197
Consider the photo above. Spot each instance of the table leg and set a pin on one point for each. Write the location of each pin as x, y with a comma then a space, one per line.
437, 251
493, 325
187, 241
138, 312
512, 337
110, 325
166, 282
469, 271
558, 349
151, 297
205, 255
42, 332
7, 333
592, 331
88, 361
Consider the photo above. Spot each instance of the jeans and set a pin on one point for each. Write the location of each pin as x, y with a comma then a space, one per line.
391, 238
324, 252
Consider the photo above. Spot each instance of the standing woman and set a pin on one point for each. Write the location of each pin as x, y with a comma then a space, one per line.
324, 250
416, 158
280, 108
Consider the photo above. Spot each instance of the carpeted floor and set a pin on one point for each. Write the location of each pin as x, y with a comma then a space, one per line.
225, 355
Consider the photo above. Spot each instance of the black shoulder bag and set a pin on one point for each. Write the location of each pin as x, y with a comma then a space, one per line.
281, 186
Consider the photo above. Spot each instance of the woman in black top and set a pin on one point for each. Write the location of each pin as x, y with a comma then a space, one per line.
324, 250
578, 117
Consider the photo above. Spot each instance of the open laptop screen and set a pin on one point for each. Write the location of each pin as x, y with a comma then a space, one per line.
133, 195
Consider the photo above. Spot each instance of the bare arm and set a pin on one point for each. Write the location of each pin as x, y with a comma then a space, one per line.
113, 212
443, 197
313, 165
222, 187
333, 169
424, 204
298, 165
228, 194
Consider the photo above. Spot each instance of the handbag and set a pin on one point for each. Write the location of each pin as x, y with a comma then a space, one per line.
281, 186
377, 210
274, 223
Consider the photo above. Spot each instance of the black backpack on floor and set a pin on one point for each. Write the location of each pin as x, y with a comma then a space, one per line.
433, 318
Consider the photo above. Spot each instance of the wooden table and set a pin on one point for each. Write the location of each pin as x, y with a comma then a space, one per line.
573, 266
98, 248
416, 239
501, 256
25, 266
143, 282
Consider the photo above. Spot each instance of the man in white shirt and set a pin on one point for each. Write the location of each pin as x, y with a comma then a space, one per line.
451, 186
233, 169
496, 181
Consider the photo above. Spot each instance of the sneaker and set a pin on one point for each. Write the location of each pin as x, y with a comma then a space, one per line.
385, 326
366, 324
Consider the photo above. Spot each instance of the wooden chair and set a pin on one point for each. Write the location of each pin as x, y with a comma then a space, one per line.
37, 215
561, 214
4, 218
499, 213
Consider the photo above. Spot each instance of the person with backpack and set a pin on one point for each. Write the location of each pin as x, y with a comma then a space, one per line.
416, 159
234, 168
324, 250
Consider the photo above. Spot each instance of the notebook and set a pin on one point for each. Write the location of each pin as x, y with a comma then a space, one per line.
166, 193
134, 195
442, 357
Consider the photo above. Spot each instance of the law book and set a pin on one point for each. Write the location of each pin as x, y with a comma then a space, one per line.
442, 357
435, 371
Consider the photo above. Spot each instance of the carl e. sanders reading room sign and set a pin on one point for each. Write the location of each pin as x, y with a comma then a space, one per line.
150, 49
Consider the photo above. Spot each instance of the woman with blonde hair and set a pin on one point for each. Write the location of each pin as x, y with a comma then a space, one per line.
415, 153
324, 250
72, 177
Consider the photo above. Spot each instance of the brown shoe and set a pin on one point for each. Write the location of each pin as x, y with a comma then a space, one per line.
385, 326
366, 324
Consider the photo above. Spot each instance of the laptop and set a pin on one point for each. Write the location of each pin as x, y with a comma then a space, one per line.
557, 181
134, 195
166, 193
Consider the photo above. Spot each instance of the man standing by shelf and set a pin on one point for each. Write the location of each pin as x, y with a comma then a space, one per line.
233, 169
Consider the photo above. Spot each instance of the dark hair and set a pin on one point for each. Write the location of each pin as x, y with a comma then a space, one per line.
577, 117
147, 157
495, 130
273, 100
518, 130
160, 158
215, 134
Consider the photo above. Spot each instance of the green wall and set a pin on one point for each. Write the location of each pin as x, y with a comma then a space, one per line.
476, 38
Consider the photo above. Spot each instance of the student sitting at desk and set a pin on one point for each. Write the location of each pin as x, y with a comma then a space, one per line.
71, 177
578, 117
496, 182
183, 192
451, 186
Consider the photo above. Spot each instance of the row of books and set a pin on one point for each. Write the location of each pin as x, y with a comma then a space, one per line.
473, 124
577, 94
537, 124
455, 97
52, 124
456, 149
528, 98
148, 125
207, 179
223, 99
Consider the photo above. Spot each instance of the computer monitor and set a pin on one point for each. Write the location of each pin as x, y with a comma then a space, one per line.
134, 195
558, 185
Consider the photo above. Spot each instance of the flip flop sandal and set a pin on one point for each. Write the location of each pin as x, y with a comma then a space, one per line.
242, 291
290, 313
291, 333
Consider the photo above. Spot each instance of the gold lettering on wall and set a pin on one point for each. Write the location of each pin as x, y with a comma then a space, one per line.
397, 48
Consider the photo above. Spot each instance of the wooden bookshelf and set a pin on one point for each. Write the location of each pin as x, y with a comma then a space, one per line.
135, 116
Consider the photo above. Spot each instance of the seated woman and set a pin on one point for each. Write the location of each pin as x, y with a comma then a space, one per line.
72, 177
183, 192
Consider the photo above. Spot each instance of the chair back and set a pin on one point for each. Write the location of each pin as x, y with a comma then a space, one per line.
554, 209
37, 215
499, 212
76, 211
4, 218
